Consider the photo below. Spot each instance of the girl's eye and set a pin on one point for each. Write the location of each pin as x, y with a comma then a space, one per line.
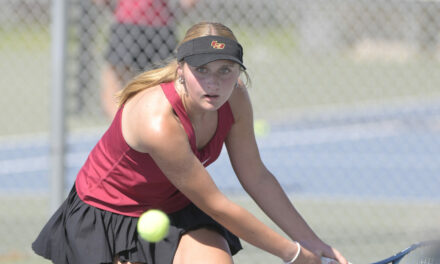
225, 70
201, 69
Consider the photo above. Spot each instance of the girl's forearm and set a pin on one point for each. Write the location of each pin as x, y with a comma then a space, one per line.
272, 199
243, 224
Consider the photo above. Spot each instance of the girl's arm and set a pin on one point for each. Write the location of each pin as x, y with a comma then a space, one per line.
261, 185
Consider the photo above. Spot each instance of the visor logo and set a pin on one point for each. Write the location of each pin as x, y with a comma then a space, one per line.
217, 45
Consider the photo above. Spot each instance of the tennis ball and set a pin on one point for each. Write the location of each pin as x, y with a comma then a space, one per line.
153, 225
261, 127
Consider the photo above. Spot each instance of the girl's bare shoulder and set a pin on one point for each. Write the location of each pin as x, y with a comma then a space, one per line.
148, 121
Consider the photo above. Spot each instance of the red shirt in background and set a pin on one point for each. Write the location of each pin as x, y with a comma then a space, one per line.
143, 12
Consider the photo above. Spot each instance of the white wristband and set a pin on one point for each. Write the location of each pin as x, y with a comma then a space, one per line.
296, 255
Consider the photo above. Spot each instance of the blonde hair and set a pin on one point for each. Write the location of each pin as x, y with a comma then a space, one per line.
168, 73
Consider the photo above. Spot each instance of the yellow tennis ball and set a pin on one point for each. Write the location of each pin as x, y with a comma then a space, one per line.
261, 127
153, 225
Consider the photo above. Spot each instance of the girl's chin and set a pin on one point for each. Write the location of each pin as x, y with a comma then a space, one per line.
211, 105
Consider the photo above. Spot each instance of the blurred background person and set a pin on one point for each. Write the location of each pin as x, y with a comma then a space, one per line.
142, 35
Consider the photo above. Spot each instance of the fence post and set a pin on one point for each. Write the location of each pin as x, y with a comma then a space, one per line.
57, 132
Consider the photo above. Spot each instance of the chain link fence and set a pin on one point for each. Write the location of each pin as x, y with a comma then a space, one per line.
347, 94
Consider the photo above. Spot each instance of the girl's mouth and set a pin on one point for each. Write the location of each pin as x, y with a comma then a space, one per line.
212, 96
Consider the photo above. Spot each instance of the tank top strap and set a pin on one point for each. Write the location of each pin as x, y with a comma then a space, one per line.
175, 101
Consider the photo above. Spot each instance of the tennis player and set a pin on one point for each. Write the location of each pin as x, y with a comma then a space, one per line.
172, 123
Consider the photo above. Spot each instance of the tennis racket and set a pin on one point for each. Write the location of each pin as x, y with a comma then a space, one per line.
426, 252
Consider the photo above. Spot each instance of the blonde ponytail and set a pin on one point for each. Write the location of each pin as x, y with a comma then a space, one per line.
147, 80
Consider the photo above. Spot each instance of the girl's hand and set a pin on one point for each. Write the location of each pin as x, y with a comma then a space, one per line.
323, 250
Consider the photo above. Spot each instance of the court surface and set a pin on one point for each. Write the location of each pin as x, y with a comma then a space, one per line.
365, 184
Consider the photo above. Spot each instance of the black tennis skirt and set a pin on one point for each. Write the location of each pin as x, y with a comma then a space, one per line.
80, 233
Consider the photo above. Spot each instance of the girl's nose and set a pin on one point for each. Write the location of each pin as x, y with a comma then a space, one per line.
214, 80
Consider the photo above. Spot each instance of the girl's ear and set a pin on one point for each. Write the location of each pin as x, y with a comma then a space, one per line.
180, 69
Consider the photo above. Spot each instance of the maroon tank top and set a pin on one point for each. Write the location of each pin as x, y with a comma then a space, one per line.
119, 179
